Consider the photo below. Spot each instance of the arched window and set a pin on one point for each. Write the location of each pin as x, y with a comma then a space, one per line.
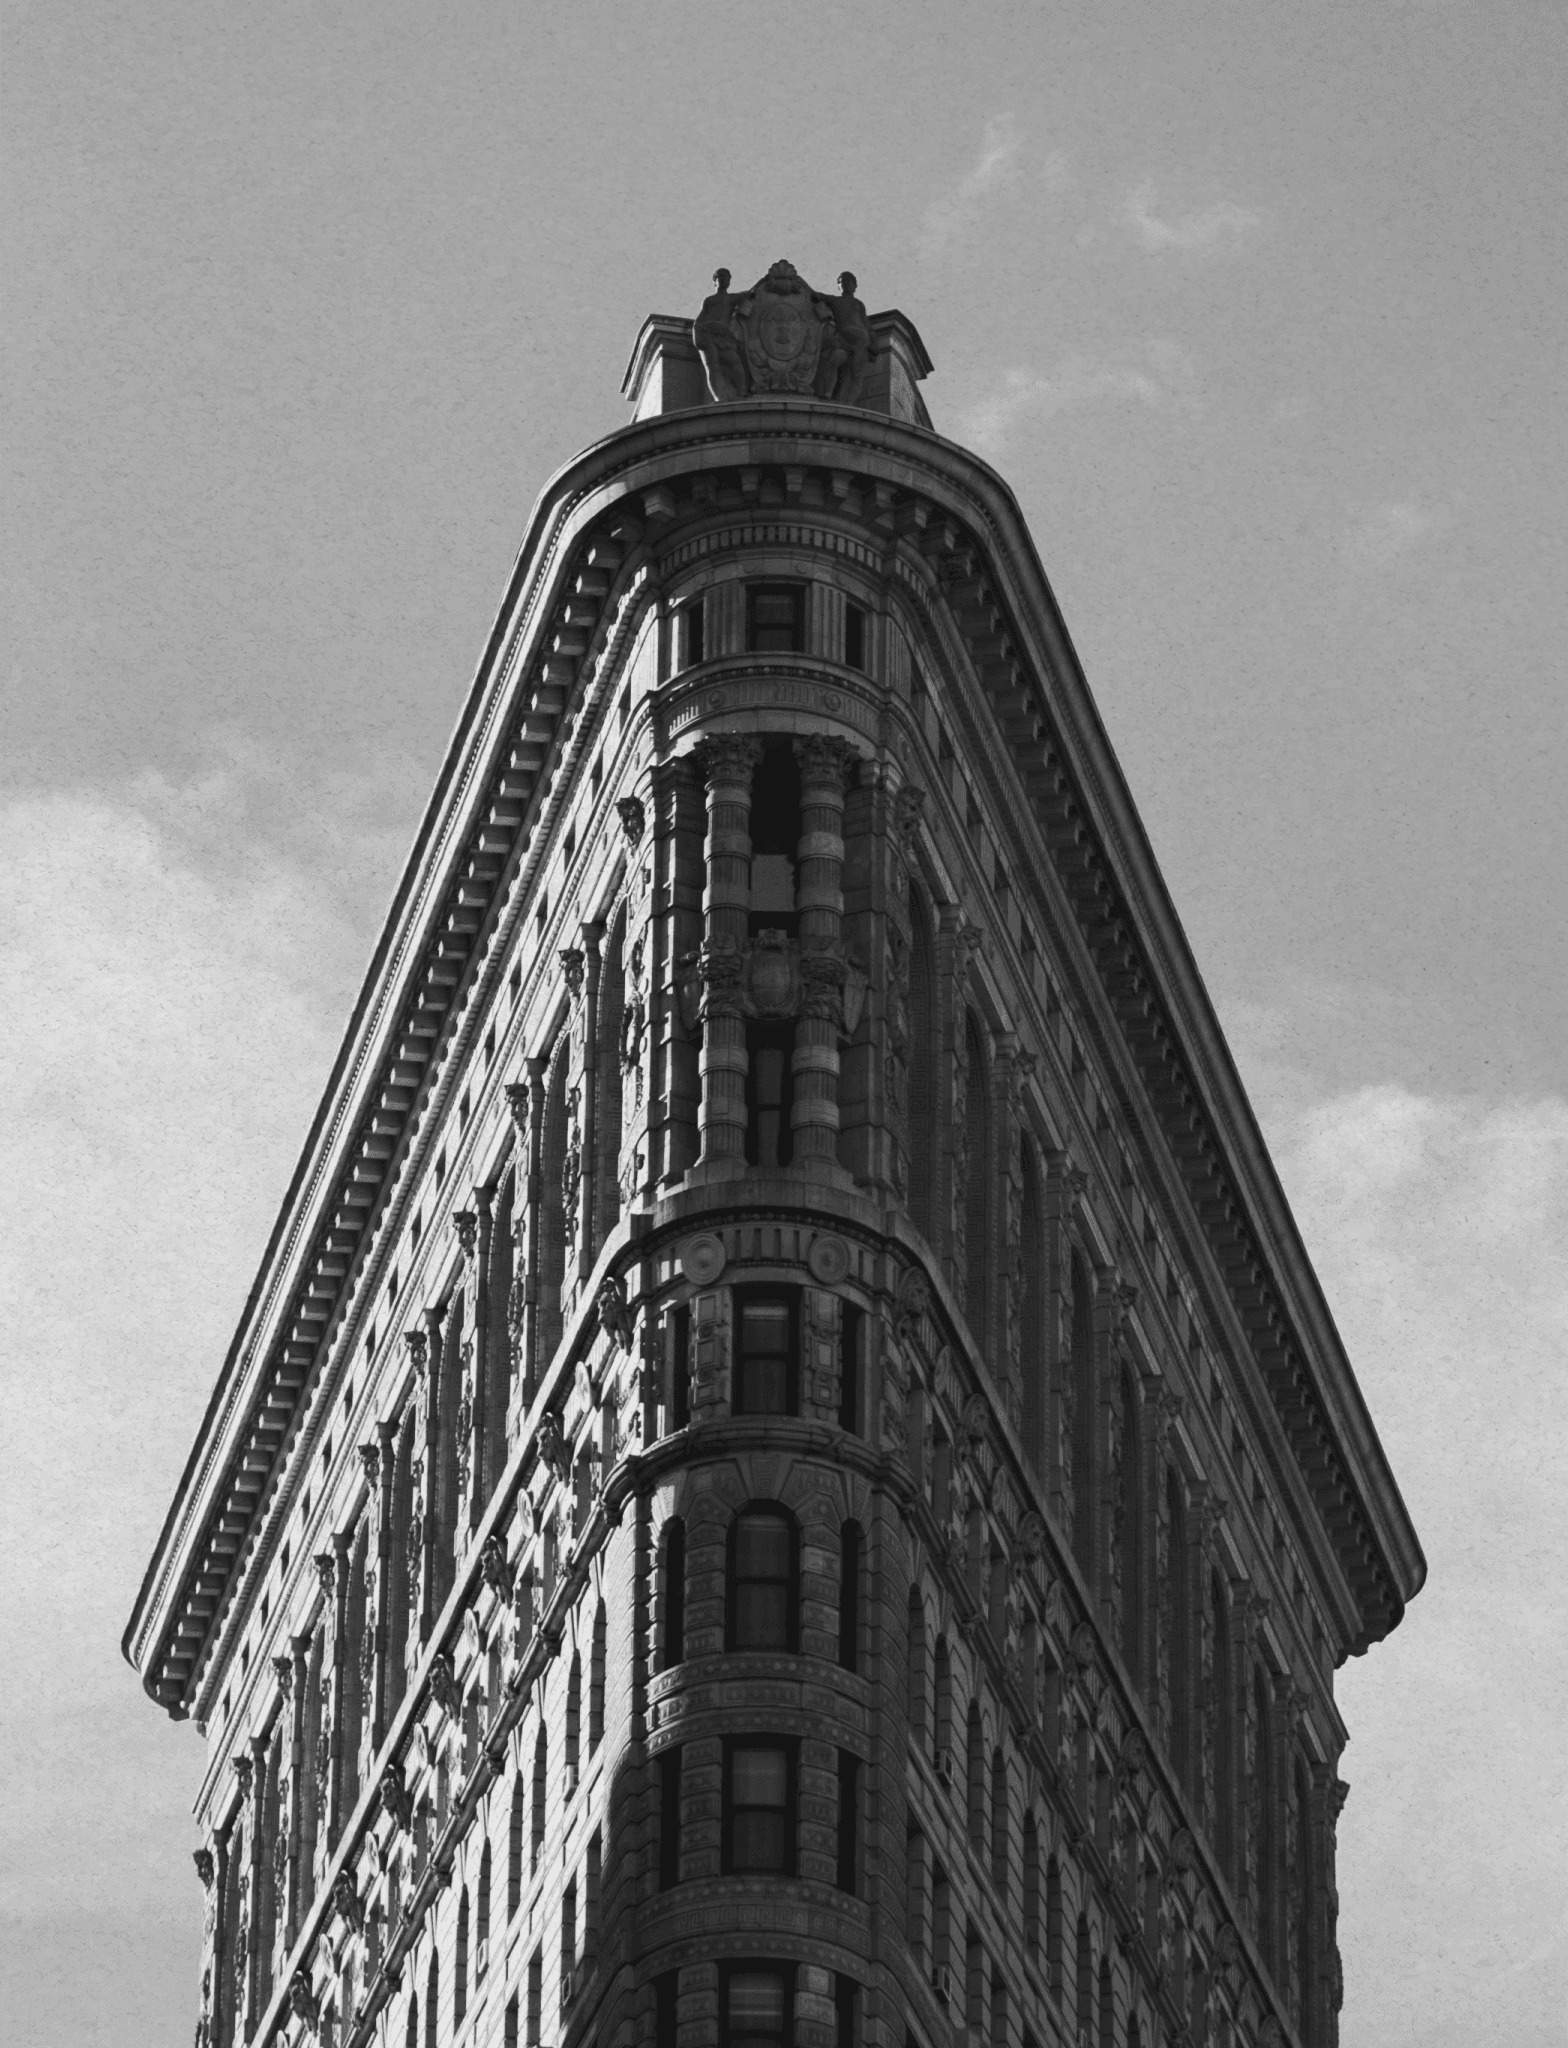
849, 1596
1178, 1627
601, 1631
1085, 1403
514, 1849
1129, 1527
1263, 1794
354, 1674
460, 1962
574, 1713
608, 1083
672, 1649
763, 1598
944, 1705
919, 1671
449, 1401
1054, 1960
1223, 1709
500, 1261
978, 1182
403, 1576
1031, 1347
482, 1917
1083, 1989
974, 1779
432, 1999
922, 1100
1031, 1890
552, 1210
411, 2031
1000, 1831
541, 1794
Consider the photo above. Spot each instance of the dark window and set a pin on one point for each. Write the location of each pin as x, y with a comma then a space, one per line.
756, 2008
844, 1989
762, 1581
674, 1595
514, 1850
509, 2036
666, 2011
483, 1931
849, 1368
574, 1714
848, 1819
765, 1375
691, 643
669, 1819
759, 1806
775, 617
601, 1630
854, 637
541, 1779
680, 1368
849, 1595
460, 1972
770, 1094
535, 1996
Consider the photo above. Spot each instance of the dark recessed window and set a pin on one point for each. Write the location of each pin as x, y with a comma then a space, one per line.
762, 1581
765, 1373
770, 1093
756, 2005
775, 618
849, 1368
669, 1819
759, 1806
691, 634
680, 1368
854, 637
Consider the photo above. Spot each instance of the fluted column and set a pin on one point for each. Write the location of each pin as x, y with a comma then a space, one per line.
728, 764
471, 1408
527, 1107
824, 763
342, 1650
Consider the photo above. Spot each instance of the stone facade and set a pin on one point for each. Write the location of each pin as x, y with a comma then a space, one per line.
786, 1477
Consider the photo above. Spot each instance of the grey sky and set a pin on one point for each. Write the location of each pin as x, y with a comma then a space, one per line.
1259, 309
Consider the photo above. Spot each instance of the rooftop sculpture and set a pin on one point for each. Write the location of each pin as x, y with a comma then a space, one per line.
784, 336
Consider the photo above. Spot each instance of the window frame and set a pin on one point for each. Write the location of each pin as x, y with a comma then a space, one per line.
756, 1297
777, 587
746, 1965
788, 1746
791, 1644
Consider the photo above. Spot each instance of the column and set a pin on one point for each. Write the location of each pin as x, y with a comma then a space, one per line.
526, 1102
471, 1450
728, 763
342, 1650
824, 764
380, 1460
588, 1234
675, 936
293, 1824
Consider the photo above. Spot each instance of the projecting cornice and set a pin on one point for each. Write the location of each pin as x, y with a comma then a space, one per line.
576, 595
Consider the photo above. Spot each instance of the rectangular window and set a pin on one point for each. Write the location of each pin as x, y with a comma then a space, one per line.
666, 2009
848, 1819
844, 1990
849, 1596
759, 1806
770, 1094
535, 1996
762, 1582
680, 1368
766, 1375
756, 2005
691, 634
775, 618
849, 1368
854, 637
669, 1820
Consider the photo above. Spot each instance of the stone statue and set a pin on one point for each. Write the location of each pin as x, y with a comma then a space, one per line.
782, 336
713, 332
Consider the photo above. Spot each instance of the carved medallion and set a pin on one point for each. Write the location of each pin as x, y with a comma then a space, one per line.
828, 1259
702, 1259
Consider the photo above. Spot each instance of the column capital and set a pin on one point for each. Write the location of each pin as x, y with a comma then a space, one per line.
727, 758
824, 759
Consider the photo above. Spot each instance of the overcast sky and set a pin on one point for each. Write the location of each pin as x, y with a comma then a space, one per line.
1259, 309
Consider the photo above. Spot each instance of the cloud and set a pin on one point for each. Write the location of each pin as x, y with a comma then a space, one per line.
1161, 378
1194, 233
949, 215
1439, 1226
1378, 537
173, 1016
